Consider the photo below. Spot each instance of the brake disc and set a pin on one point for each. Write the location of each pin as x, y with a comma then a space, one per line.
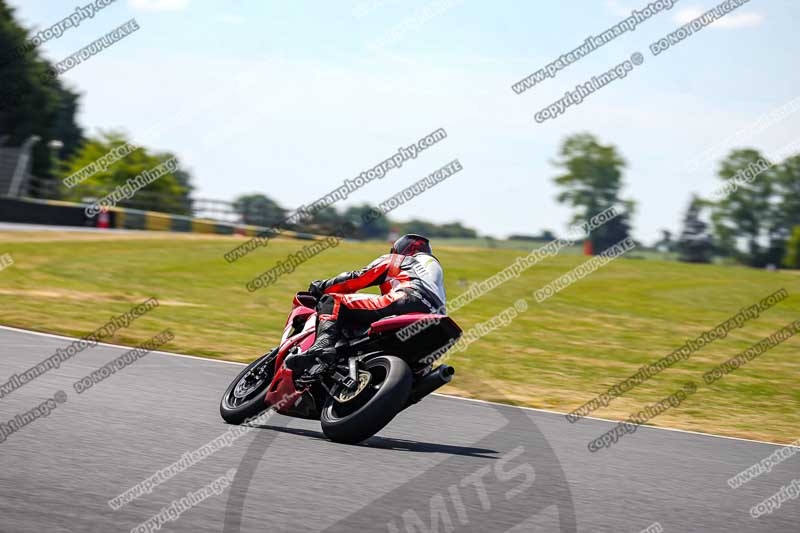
346, 395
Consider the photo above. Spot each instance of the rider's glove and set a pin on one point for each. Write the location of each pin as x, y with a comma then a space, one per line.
316, 288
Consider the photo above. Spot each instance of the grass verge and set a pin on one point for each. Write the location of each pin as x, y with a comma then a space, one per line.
557, 355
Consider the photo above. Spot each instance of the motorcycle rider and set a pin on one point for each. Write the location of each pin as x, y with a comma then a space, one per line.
411, 281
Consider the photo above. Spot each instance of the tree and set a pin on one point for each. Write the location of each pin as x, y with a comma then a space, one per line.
65, 129
452, 230
786, 208
365, 224
545, 236
792, 259
695, 244
665, 244
32, 103
745, 212
592, 183
326, 221
259, 210
787, 187
420, 227
169, 193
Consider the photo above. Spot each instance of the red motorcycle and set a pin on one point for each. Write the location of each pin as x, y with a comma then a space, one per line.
377, 375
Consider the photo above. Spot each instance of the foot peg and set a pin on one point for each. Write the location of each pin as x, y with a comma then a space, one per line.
316, 370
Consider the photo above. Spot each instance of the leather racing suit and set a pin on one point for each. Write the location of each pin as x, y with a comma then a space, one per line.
408, 283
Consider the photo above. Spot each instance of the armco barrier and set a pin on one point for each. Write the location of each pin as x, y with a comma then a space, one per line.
200, 225
57, 213
157, 221
43, 212
181, 223
133, 219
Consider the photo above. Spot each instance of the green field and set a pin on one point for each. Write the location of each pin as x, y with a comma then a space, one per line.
557, 355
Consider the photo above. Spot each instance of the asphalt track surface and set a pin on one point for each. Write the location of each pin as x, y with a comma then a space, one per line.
445, 465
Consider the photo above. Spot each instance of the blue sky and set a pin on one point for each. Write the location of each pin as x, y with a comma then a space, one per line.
290, 98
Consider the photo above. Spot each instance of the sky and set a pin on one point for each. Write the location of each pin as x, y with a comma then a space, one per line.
290, 99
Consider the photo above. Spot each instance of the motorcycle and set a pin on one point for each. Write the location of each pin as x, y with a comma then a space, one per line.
376, 375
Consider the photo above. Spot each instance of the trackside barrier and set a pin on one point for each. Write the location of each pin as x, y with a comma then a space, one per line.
58, 213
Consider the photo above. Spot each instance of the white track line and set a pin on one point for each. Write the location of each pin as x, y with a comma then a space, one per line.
120, 346
618, 421
55, 336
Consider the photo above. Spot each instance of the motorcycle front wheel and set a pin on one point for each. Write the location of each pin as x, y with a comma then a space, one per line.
244, 397
384, 386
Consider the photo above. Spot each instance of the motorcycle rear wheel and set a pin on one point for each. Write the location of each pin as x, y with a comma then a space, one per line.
363, 415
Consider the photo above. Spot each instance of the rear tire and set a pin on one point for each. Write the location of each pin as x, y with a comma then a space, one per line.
237, 405
363, 416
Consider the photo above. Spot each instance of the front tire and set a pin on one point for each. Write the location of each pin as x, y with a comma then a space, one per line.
370, 410
244, 397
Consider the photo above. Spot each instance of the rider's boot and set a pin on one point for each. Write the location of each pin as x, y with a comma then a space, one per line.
322, 349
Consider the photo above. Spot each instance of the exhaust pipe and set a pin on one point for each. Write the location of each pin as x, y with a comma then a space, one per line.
439, 377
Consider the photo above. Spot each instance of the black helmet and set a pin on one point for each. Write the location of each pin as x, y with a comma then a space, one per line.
410, 244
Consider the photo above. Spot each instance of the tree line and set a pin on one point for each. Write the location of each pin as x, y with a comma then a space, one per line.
34, 103
260, 210
756, 221
753, 218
